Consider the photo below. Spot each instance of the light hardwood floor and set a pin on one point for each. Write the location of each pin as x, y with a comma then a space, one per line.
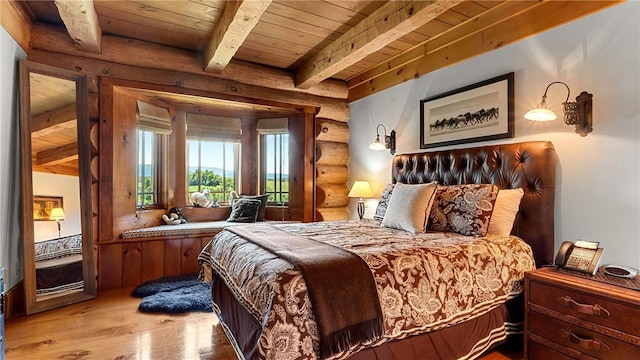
110, 327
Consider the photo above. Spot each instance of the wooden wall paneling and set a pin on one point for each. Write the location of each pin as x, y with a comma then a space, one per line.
106, 161
180, 152
301, 176
250, 156
131, 263
332, 153
333, 174
310, 166
189, 250
17, 22
328, 214
110, 266
172, 257
330, 130
152, 260
332, 195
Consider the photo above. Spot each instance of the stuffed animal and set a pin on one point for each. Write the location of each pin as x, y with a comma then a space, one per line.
175, 217
200, 199
233, 196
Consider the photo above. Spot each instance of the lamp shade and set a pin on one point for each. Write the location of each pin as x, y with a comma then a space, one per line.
361, 189
56, 214
540, 114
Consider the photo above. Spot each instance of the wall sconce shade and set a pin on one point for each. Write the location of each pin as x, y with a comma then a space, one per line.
57, 214
578, 113
361, 189
389, 140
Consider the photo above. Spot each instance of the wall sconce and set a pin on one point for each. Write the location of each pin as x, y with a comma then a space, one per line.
57, 214
361, 189
389, 140
578, 113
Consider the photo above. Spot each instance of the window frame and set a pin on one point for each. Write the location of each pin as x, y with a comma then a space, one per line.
159, 156
263, 167
237, 155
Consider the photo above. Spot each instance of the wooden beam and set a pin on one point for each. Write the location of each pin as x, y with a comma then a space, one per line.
14, 18
388, 23
489, 39
237, 21
199, 85
81, 21
473, 25
55, 120
58, 155
118, 49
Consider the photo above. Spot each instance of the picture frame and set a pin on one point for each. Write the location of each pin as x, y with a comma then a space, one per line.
478, 112
42, 206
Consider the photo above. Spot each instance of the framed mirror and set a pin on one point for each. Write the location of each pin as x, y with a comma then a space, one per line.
56, 187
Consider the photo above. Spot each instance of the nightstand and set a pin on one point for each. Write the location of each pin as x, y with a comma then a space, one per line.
573, 317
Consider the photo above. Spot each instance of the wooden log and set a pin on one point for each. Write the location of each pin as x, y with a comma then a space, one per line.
94, 137
94, 106
331, 174
197, 85
332, 153
328, 214
154, 56
332, 195
95, 169
330, 130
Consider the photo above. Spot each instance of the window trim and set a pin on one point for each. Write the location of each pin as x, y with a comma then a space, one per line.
160, 175
237, 148
263, 168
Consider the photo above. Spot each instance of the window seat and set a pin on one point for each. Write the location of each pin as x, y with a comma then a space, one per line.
192, 228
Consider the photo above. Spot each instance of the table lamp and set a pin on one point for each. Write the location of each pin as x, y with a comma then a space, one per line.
361, 189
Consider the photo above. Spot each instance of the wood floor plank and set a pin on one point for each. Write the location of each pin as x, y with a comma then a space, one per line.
111, 327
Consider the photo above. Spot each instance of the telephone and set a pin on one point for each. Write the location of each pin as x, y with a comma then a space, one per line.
582, 256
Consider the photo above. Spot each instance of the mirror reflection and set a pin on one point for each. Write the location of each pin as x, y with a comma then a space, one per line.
57, 209
56, 188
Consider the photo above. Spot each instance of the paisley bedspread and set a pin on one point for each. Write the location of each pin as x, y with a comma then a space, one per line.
424, 282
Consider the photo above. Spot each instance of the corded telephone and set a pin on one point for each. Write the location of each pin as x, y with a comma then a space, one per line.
582, 256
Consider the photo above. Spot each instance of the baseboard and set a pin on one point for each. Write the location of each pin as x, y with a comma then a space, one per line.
14, 301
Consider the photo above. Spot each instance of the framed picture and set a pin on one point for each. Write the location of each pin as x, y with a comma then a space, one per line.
478, 112
42, 206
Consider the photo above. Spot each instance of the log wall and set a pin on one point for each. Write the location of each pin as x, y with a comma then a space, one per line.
332, 156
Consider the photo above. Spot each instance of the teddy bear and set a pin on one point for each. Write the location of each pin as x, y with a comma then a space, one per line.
175, 217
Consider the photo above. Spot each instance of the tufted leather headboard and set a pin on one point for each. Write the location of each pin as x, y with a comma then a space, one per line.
527, 165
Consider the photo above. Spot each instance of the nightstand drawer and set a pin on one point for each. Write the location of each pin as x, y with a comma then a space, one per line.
598, 310
580, 339
541, 352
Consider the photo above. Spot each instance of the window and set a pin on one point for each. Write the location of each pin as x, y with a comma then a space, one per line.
153, 127
213, 155
212, 165
274, 162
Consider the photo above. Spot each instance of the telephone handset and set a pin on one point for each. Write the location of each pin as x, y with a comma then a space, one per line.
582, 256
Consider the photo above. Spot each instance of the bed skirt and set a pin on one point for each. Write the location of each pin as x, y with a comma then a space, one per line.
467, 340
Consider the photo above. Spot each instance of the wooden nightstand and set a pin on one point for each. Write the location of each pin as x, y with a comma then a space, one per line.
571, 317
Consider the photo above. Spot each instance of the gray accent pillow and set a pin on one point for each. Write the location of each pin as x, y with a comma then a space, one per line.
381, 209
244, 210
263, 204
409, 207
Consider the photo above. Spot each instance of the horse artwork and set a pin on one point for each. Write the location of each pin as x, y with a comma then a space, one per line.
481, 117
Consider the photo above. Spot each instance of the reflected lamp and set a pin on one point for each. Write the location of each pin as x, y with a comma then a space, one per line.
57, 214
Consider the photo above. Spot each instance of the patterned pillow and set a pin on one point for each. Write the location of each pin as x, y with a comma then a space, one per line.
263, 204
244, 210
409, 207
381, 209
463, 209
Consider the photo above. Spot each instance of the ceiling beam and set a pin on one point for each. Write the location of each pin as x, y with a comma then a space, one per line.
81, 21
55, 120
58, 155
388, 23
237, 21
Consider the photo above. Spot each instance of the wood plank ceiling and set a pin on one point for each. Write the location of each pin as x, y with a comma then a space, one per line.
369, 45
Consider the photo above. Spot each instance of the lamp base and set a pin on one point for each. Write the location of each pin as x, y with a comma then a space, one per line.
361, 208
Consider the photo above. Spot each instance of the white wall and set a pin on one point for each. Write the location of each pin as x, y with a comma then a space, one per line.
10, 211
598, 176
58, 185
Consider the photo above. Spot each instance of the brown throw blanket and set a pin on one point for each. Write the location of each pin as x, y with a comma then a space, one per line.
340, 285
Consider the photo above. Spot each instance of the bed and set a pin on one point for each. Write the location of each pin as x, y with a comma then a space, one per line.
441, 293
59, 265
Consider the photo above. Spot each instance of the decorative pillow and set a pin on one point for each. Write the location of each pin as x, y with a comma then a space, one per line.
464, 209
244, 210
505, 211
409, 207
381, 209
263, 204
